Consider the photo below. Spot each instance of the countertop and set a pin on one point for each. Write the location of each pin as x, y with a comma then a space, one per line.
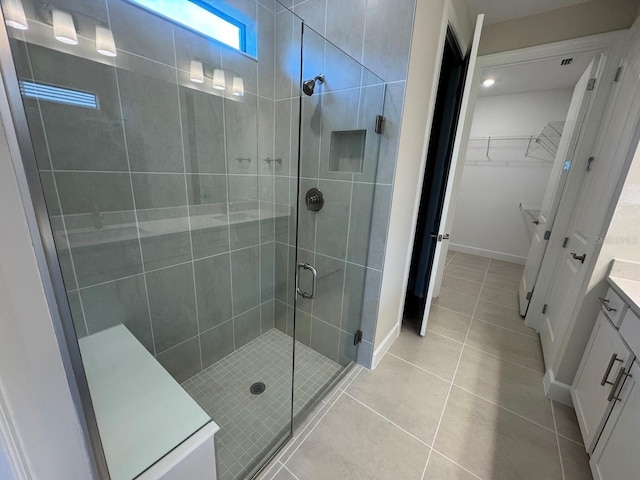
142, 412
624, 276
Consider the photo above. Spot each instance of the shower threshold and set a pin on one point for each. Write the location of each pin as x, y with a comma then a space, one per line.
252, 425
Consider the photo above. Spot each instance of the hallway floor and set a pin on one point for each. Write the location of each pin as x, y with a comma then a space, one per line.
464, 402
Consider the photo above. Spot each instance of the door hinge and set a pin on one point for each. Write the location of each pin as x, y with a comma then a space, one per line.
564, 242
618, 74
357, 337
379, 124
547, 235
592, 84
590, 163
529, 295
544, 308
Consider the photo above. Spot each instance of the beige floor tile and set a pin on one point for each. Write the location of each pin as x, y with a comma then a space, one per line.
496, 281
440, 468
502, 297
284, 474
473, 274
461, 285
352, 442
470, 261
448, 323
495, 444
510, 386
509, 345
406, 395
435, 353
458, 302
502, 316
575, 461
567, 422
512, 273
450, 255
505, 264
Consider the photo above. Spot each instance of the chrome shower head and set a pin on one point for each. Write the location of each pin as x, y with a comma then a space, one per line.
309, 85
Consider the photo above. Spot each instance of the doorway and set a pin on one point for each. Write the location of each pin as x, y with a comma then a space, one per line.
445, 120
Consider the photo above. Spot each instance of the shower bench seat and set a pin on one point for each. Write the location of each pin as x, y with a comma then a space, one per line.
149, 426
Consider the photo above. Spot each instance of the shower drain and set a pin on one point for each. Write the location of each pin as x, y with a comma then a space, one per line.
257, 388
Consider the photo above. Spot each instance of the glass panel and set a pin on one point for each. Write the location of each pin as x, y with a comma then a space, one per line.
340, 101
169, 167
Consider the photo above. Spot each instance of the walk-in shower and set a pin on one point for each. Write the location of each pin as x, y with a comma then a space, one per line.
175, 144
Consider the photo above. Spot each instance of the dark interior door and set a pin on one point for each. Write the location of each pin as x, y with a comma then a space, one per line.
439, 154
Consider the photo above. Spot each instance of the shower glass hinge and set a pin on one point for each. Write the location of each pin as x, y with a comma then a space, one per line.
379, 124
592, 84
529, 295
590, 163
357, 337
544, 308
564, 242
547, 235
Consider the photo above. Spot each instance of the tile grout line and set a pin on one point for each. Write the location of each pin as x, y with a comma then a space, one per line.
555, 425
389, 421
455, 372
455, 463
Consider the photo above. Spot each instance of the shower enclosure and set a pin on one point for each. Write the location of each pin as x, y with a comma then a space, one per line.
200, 205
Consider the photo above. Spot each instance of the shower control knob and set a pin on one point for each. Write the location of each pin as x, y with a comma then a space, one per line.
314, 200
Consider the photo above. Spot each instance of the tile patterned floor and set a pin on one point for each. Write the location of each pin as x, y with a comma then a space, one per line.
250, 425
464, 402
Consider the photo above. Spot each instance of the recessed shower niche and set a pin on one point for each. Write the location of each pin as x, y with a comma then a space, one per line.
347, 151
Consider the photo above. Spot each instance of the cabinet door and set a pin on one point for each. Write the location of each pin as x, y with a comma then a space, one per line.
605, 355
616, 454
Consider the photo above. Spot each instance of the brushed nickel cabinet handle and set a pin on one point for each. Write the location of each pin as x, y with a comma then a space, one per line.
605, 304
614, 359
612, 394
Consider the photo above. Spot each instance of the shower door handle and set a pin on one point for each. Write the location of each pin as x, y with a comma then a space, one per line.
314, 281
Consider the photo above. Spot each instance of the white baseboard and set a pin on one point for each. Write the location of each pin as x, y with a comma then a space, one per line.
555, 390
379, 352
481, 252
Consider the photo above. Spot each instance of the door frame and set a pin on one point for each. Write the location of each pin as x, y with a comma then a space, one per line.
600, 43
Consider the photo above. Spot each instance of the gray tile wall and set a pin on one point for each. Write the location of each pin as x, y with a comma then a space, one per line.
159, 225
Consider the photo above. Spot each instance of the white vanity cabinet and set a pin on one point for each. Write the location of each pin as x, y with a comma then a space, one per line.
604, 365
617, 453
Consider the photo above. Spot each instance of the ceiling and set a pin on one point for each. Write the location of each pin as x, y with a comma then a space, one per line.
501, 10
547, 74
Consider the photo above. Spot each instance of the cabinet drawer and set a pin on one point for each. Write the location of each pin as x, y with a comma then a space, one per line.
630, 331
613, 306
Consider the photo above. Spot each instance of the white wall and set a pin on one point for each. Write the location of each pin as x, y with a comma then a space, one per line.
429, 32
487, 219
581, 20
34, 394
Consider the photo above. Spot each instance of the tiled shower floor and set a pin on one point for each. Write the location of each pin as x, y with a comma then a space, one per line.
250, 425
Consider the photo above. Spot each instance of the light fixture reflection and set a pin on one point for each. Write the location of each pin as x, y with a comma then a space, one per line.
64, 30
238, 86
105, 45
488, 82
196, 72
219, 82
14, 15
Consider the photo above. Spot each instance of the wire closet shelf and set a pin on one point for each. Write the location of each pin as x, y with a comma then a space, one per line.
525, 150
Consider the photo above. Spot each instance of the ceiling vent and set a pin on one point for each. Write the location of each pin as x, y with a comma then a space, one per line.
566, 61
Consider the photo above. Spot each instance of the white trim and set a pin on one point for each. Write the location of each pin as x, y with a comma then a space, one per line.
464, 41
555, 390
539, 52
487, 253
385, 345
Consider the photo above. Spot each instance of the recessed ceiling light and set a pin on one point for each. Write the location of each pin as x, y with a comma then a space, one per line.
488, 82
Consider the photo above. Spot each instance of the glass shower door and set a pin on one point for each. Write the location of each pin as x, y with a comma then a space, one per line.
341, 102
165, 161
